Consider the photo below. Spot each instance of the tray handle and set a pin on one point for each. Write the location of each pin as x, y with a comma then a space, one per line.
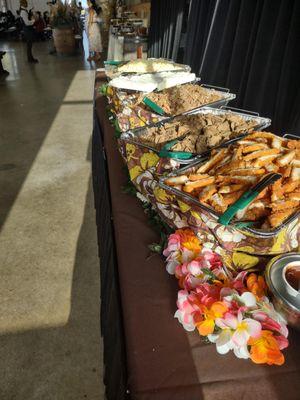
221, 89
291, 136
256, 114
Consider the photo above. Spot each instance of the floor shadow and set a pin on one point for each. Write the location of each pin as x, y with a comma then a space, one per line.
30, 98
63, 363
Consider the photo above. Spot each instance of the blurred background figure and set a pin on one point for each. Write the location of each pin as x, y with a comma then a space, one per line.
7, 19
19, 23
28, 22
80, 8
10, 18
3, 72
46, 18
39, 26
93, 31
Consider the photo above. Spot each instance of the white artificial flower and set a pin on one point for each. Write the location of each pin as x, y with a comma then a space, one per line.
188, 325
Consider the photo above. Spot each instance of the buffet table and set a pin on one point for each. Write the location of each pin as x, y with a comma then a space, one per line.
147, 354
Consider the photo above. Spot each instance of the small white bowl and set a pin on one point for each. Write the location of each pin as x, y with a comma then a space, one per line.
295, 265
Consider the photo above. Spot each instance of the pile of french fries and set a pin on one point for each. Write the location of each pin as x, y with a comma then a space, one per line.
229, 172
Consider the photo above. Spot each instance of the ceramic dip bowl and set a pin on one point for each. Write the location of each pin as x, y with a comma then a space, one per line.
283, 279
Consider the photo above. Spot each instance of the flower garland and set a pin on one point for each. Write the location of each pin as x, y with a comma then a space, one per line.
233, 312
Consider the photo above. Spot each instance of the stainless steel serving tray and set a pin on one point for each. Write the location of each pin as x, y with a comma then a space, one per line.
136, 92
185, 196
112, 70
223, 92
132, 135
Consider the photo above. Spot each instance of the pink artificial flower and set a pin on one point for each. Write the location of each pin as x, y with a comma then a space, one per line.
237, 302
269, 323
173, 244
183, 246
195, 267
238, 283
208, 294
189, 310
196, 271
282, 341
243, 328
191, 274
191, 305
212, 258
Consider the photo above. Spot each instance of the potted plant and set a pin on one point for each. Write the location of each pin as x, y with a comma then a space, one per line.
62, 24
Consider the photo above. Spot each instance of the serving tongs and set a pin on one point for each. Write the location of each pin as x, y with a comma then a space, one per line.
185, 155
246, 199
166, 152
113, 62
153, 106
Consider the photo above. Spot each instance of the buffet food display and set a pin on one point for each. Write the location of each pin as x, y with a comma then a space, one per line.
149, 65
142, 92
141, 66
230, 172
182, 98
233, 208
199, 131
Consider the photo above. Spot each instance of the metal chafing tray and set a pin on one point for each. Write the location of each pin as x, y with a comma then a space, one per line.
132, 135
192, 167
112, 68
226, 96
223, 92
129, 92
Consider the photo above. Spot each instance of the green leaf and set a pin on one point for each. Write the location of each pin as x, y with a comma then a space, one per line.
208, 272
155, 248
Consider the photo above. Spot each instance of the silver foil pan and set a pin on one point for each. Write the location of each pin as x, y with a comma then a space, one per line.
132, 135
112, 70
191, 168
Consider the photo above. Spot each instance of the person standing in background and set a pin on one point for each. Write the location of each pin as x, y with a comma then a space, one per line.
28, 22
80, 8
39, 25
46, 18
93, 31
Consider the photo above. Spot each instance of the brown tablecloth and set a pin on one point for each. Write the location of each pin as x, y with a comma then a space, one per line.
163, 361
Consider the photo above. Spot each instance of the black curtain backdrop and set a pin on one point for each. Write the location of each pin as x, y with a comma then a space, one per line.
165, 28
199, 21
253, 50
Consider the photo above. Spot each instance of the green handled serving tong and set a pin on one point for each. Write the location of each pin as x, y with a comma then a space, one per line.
178, 155
184, 155
112, 62
246, 199
154, 107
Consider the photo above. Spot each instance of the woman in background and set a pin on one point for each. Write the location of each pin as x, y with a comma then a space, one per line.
28, 21
93, 31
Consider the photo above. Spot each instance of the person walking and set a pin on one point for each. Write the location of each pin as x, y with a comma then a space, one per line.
93, 31
28, 21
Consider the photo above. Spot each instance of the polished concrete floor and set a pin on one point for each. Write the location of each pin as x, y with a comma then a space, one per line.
50, 344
